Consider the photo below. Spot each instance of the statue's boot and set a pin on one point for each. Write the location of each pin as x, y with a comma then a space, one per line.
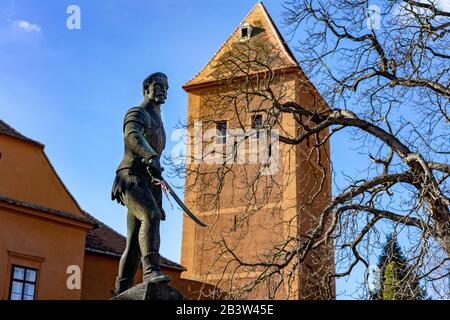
152, 269
122, 284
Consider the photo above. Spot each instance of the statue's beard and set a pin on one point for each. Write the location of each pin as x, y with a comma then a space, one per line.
160, 98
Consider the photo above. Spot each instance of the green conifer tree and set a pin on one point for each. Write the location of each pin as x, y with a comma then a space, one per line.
397, 280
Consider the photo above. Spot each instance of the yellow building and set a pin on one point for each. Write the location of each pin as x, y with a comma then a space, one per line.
45, 236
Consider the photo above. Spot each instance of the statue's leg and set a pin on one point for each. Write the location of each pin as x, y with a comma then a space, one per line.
150, 233
146, 209
129, 262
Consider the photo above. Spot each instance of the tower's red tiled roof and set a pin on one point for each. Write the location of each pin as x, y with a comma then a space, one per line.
258, 12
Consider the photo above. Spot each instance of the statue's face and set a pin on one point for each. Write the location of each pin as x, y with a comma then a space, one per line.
157, 91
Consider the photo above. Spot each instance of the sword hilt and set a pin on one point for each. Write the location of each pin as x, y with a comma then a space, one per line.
153, 179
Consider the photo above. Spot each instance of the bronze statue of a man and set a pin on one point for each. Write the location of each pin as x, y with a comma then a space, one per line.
145, 140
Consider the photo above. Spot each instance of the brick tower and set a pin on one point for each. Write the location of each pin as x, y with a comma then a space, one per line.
252, 216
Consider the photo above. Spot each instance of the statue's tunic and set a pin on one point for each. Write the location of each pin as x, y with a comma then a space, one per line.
144, 137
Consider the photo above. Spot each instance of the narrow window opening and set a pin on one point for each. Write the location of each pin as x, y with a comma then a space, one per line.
221, 128
244, 32
257, 124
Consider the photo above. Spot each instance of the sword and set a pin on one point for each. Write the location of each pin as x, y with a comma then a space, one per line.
169, 189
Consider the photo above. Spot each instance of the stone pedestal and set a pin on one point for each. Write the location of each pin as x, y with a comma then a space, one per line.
150, 291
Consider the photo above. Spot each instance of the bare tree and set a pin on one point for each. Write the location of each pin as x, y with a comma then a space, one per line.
383, 73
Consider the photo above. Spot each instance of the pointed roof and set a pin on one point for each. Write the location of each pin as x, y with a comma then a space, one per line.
31, 178
259, 17
10, 131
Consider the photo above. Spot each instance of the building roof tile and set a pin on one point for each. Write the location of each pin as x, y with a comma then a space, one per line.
105, 240
10, 131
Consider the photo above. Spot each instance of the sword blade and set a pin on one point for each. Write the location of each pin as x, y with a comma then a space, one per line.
182, 205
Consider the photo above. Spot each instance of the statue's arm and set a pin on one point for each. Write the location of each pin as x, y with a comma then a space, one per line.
135, 141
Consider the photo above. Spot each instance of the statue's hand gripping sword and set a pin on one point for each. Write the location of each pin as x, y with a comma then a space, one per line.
169, 189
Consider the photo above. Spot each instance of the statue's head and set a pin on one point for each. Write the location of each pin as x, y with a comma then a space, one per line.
155, 87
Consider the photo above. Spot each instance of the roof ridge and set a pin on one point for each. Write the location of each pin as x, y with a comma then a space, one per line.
278, 35
62, 183
274, 30
35, 206
10, 131
101, 224
223, 44
7, 129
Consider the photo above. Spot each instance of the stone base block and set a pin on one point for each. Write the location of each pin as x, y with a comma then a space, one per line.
150, 291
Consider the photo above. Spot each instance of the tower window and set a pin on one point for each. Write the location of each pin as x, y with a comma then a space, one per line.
257, 123
221, 128
245, 31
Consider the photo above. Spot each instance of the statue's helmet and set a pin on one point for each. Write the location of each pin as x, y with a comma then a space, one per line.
152, 78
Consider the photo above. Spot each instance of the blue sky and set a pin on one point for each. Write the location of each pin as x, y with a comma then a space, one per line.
69, 89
